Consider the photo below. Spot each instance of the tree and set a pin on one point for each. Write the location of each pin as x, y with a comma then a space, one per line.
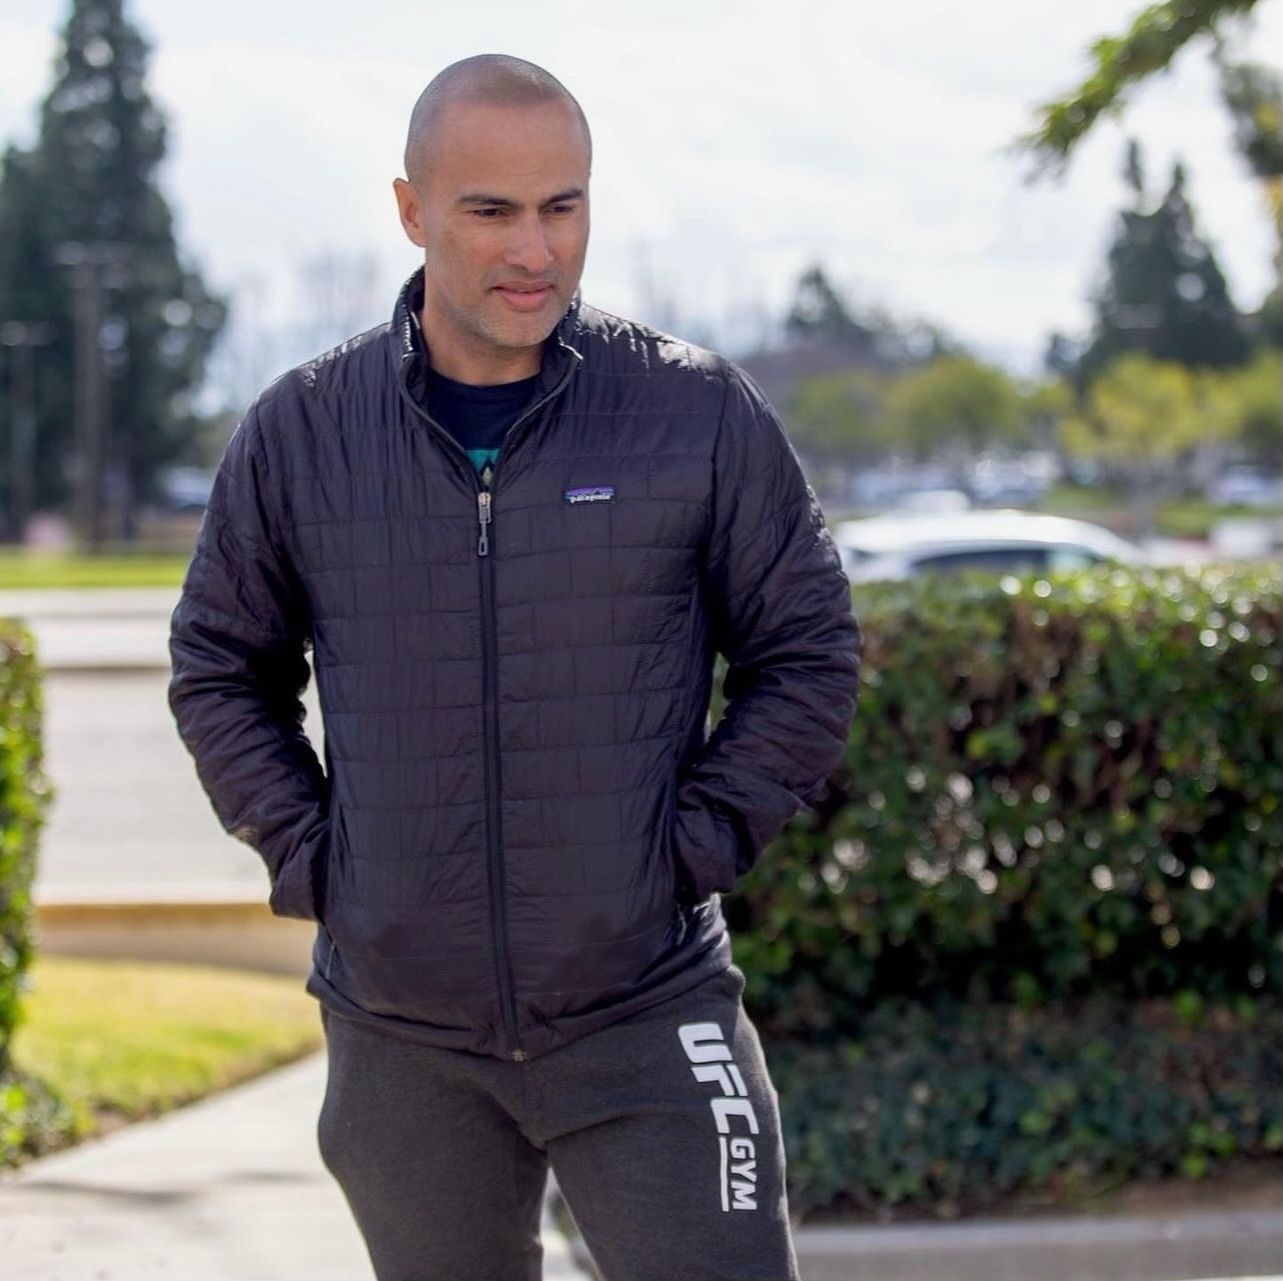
1255, 406
819, 316
92, 178
1253, 94
1140, 415
840, 353
819, 313
1164, 293
1119, 63
25, 307
834, 417
1267, 324
954, 406
1043, 407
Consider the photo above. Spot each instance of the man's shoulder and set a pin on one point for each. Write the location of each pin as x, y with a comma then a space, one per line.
354, 363
690, 376
619, 345
359, 357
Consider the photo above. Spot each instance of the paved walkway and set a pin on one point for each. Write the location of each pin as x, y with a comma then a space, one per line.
95, 628
113, 754
228, 1189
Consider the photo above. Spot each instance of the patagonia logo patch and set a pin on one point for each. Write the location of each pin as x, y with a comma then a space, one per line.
589, 494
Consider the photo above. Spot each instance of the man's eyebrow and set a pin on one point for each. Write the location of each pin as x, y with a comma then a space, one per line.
571, 193
480, 198
503, 202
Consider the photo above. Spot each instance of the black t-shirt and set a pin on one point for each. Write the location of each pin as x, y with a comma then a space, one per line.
477, 416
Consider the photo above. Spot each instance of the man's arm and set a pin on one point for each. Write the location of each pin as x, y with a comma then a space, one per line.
780, 609
237, 639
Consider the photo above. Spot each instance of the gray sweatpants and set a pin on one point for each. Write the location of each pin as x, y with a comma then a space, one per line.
662, 1129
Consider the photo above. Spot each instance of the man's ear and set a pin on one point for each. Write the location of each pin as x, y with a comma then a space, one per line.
410, 209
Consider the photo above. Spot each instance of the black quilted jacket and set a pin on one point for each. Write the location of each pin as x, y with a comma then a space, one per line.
522, 825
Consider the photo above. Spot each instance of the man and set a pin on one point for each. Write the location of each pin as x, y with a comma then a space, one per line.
513, 530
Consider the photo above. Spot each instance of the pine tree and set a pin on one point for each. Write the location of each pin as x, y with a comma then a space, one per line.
1164, 293
90, 180
818, 313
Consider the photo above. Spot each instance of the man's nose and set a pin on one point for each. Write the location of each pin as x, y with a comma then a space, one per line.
528, 247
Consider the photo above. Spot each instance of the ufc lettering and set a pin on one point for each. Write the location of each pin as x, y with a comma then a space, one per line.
710, 1056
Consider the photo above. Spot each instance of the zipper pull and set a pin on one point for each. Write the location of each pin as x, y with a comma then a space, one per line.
483, 520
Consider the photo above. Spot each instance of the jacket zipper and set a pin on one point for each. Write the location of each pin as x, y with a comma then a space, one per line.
489, 677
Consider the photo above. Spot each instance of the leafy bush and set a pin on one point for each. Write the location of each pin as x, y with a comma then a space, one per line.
1023, 942
27, 1110
953, 1109
34, 1119
1056, 786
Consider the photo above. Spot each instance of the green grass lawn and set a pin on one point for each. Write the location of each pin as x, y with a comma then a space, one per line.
1064, 497
1194, 517
1184, 517
19, 569
128, 1039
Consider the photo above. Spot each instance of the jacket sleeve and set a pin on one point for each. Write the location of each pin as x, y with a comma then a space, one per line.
780, 612
237, 640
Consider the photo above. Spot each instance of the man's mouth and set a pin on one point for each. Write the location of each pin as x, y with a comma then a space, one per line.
525, 297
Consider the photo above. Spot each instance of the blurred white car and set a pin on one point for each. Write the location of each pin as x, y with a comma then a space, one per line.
1006, 540
932, 500
1246, 485
186, 489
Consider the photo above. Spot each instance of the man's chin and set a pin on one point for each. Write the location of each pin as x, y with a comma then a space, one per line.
527, 331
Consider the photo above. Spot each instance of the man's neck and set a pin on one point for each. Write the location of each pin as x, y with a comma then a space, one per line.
476, 368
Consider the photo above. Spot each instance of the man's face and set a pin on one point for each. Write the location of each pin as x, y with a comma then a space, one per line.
501, 213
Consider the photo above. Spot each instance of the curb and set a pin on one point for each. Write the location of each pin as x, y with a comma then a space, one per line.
198, 926
116, 667
1241, 1244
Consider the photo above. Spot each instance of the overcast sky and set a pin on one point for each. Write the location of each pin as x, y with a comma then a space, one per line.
734, 143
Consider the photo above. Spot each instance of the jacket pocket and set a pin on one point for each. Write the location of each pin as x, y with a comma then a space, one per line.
298, 888
681, 886
325, 872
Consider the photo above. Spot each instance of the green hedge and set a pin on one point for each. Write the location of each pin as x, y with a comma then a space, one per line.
34, 1119
1031, 939
956, 1109
1056, 787
31, 1119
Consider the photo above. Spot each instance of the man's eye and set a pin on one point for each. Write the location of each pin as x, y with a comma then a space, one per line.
562, 209
486, 213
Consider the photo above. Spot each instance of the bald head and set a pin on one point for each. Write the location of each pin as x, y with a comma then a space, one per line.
495, 79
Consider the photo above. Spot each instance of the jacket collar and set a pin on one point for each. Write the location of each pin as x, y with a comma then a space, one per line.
560, 353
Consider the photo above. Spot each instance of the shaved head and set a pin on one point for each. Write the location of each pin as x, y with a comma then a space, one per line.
495, 79
498, 157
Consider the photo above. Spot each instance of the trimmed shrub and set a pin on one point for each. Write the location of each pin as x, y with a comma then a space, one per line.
1056, 786
955, 1109
30, 1117
34, 1120
1031, 939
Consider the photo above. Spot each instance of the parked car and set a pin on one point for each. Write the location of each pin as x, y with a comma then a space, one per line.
994, 480
932, 500
1008, 540
886, 485
186, 489
1246, 485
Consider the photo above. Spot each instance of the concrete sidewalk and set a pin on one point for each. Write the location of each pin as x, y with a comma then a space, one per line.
95, 628
228, 1189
